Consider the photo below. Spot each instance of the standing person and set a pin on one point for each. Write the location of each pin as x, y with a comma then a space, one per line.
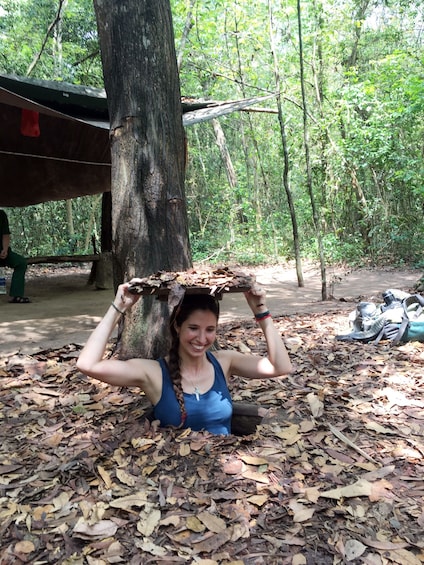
188, 388
18, 263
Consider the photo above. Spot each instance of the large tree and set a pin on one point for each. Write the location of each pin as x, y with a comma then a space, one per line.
149, 217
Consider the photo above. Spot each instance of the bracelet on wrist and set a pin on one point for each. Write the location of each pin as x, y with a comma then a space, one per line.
262, 316
116, 308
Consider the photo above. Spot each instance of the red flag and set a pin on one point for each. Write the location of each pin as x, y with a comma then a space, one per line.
30, 126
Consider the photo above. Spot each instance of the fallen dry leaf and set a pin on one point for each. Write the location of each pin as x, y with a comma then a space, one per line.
353, 549
213, 523
24, 546
101, 530
316, 405
136, 491
301, 513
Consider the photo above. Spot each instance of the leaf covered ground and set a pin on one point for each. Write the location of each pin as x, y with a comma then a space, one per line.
333, 474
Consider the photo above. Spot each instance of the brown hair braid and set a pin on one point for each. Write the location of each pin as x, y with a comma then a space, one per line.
181, 312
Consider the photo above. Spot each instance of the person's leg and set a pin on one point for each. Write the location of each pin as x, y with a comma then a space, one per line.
19, 265
2, 274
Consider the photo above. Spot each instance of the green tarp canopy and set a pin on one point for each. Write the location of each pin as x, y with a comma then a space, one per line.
54, 138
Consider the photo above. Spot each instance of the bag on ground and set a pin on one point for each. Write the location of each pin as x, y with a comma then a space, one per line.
400, 318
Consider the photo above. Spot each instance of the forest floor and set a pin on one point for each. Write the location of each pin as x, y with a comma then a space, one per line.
333, 474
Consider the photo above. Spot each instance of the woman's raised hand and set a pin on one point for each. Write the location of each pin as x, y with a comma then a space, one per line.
255, 297
124, 299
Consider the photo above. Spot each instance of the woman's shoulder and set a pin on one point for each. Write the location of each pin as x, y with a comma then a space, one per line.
148, 373
223, 353
235, 362
223, 357
149, 368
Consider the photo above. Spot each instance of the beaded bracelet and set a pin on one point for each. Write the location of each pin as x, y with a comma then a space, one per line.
116, 308
262, 316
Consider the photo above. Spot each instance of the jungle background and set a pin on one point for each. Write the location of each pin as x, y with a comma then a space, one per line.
333, 160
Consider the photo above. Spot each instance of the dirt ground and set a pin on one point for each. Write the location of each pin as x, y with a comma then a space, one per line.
65, 309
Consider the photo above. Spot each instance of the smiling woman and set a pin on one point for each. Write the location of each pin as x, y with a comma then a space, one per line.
192, 376
187, 388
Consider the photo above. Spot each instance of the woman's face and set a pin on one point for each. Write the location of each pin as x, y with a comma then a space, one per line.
197, 334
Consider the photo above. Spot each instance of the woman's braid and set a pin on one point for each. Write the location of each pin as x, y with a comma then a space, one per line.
175, 372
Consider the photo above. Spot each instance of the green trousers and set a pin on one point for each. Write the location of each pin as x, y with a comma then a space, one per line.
19, 265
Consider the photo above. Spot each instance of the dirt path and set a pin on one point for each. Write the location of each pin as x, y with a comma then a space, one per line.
65, 309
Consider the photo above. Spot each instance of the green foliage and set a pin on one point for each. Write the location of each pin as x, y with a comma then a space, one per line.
349, 249
43, 229
23, 30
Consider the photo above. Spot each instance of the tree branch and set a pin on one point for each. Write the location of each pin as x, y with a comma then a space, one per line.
49, 30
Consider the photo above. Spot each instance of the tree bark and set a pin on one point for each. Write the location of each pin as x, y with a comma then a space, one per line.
149, 216
286, 160
315, 211
186, 31
58, 16
233, 211
106, 228
70, 222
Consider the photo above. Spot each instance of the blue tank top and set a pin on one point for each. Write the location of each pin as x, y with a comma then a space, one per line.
212, 412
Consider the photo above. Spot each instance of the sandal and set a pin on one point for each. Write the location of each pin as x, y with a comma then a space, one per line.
20, 300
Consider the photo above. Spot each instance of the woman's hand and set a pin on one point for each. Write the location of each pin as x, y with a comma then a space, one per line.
124, 299
255, 297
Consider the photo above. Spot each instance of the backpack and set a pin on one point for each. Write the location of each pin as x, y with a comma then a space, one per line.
399, 319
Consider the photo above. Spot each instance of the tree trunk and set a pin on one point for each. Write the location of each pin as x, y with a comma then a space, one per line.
106, 229
315, 212
186, 31
90, 238
231, 177
58, 16
358, 19
286, 167
70, 221
149, 216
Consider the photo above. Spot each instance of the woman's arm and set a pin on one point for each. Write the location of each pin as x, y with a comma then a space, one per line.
112, 371
277, 362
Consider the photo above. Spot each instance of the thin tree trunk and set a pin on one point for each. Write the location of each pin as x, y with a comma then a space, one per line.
95, 201
57, 40
70, 219
362, 215
315, 212
317, 68
255, 164
231, 174
252, 163
358, 20
62, 4
186, 31
203, 217
286, 161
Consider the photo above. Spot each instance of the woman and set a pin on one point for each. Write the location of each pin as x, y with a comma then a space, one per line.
188, 388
